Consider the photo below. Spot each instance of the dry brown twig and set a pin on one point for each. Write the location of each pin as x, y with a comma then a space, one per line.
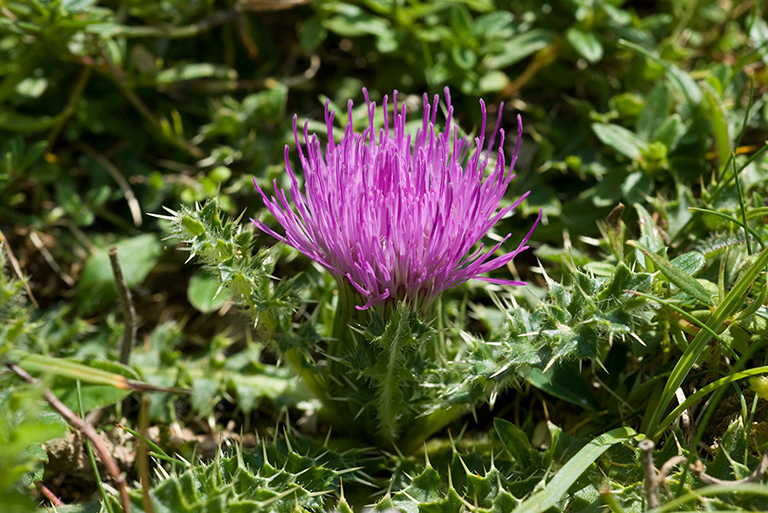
142, 456
129, 312
654, 480
117, 176
698, 469
649, 473
16, 267
269, 5
73, 419
48, 494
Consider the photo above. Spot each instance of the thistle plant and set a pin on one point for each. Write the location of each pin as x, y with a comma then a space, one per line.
396, 219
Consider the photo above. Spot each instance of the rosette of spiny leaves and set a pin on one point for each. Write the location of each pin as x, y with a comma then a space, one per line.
225, 249
578, 321
288, 475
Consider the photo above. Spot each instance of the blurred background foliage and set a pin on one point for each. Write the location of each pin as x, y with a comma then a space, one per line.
110, 110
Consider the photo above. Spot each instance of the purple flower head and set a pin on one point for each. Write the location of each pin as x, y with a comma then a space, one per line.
397, 216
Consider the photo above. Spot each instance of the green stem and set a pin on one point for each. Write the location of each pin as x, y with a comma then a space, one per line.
390, 398
346, 314
428, 425
316, 384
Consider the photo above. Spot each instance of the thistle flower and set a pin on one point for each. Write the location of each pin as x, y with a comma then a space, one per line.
397, 217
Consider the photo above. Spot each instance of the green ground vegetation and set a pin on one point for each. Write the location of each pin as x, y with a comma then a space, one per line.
628, 375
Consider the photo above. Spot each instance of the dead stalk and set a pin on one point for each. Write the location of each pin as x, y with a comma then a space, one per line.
129, 312
73, 419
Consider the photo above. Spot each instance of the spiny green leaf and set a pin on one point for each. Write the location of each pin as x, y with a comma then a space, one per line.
426, 493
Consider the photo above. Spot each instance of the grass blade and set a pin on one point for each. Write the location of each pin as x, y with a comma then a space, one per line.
733, 300
571, 471
73, 370
706, 491
751, 231
669, 419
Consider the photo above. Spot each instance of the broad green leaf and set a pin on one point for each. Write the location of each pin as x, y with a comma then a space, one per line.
573, 470
586, 44
27, 424
670, 131
676, 275
312, 34
106, 29
518, 48
719, 125
207, 394
497, 25
16, 156
137, 256
682, 80
635, 187
565, 383
759, 385
460, 21
463, 57
758, 32
654, 113
283, 391
75, 206
354, 22
194, 71
514, 440
649, 232
13, 121
205, 293
620, 139
690, 263
91, 397
492, 82
79, 6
